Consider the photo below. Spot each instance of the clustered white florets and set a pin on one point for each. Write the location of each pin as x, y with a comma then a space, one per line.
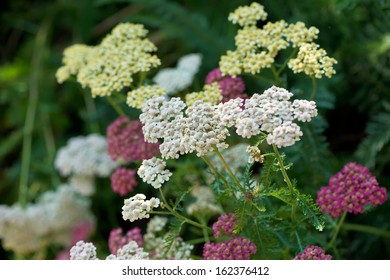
153, 172
83, 251
130, 251
179, 78
254, 154
49, 221
198, 130
137, 207
155, 242
270, 112
83, 158
204, 126
87, 251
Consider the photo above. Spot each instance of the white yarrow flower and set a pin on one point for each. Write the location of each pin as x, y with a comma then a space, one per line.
137, 208
83, 251
153, 172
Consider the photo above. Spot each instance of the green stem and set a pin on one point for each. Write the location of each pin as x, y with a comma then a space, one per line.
276, 75
229, 170
299, 241
314, 88
287, 60
337, 230
260, 78
91, 110
31, 111
115, 106
366, 229
200, 240
177, 215
212, 167
287, 180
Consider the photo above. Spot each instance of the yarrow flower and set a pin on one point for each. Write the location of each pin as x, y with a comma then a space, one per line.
211, 94
83, 251
153, 172
123, 181
257, 48
231, 87
116, 240
204, 203
271, 112
137, 97
125, 141
313, 253
198, 130
313, 61
111, 65
352, 190
83, 158
254, 154
137, 207
51, 220
238, 248
179, 78
224, 225
248, 15
130, 251
155, 242
87, 251
85, 155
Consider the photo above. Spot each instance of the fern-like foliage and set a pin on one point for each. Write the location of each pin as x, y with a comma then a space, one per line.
378, 136
175, 227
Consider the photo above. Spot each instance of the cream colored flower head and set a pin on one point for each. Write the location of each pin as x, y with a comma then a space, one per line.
248, 15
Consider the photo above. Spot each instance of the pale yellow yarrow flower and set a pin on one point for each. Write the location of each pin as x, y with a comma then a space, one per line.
138, 97
111, 65
313, 61
211, 93
248, 15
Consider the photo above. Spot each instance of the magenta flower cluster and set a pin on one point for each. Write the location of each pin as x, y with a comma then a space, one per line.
125, 141
224, 225
238, 248
352, 189
116, 240
231, 87
123, 180
313, 253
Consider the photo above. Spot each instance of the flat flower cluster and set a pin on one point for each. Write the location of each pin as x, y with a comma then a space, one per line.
137, 207
313, 253
125, 141
270, 112
231, 87
123, 180
83, 158
111, 65
256, 48
153, 172
116, 240
237, 248
352, 190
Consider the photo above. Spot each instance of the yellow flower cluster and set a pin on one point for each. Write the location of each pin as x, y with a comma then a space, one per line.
211, 93
138, 97
256, 48
313, 61
75, 57
248, 15
111, 65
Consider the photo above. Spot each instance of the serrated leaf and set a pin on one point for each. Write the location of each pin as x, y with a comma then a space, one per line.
311, 210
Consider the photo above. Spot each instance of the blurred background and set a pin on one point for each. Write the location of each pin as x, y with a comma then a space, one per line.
38, 116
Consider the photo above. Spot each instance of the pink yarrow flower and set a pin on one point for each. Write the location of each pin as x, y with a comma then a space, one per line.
224, 225
123, 181
238, 248
313, 253
116, 240
352, 189
125, 141
231, 87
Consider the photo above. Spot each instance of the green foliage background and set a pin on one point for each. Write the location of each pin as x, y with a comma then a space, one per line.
36, 112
